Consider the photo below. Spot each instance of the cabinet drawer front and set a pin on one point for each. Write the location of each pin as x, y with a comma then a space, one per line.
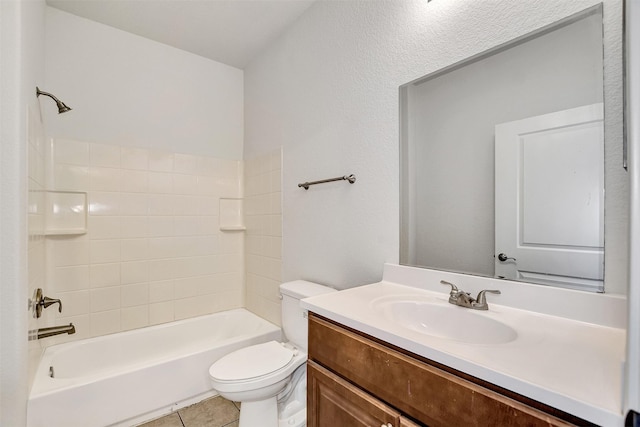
333, 402
422, 391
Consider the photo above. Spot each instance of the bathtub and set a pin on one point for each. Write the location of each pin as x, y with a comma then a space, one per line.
127, 378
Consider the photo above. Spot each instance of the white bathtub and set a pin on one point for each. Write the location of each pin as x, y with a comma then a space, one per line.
130, 377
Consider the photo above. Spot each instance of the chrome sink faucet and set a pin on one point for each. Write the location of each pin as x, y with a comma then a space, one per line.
464, 299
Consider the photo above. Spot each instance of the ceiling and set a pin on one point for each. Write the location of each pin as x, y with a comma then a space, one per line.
227, 31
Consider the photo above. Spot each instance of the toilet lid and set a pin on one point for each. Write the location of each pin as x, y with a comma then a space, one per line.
251, 362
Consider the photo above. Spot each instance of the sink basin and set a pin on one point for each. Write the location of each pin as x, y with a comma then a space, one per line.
443, 320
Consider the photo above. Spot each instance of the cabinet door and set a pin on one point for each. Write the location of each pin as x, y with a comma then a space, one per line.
422, 391
332, 402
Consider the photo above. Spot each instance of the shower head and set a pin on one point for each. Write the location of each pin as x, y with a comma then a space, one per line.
62, 107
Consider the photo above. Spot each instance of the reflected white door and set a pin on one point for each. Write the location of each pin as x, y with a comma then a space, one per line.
550, 198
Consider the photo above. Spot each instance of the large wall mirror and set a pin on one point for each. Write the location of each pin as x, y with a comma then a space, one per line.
503, 160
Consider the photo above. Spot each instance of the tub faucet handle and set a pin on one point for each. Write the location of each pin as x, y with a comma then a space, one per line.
46, 302
40, 302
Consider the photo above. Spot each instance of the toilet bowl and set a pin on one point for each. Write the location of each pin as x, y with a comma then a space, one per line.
256, 376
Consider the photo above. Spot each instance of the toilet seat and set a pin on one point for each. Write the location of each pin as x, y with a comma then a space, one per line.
253, 362
238, 371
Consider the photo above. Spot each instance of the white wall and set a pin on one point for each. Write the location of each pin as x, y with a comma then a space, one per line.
21, 69
128, 90
327, 91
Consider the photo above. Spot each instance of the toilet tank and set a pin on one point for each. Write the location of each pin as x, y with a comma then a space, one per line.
294, 318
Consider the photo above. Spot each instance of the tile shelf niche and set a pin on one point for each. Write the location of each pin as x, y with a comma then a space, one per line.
65, 212
232, 215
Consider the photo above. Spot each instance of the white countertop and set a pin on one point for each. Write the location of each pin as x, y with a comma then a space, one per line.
569, 364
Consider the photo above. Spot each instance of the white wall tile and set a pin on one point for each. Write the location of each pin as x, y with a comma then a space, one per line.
275, 203
276, 180
70, 152
152, 251
101, 275
160, 161
104, 203
160, 204
161, 312
206, 166
104, 179
134, 249
231, 243
132, 295
191, 307
162, 247
134, 181
275, 225
228, 187
227, 168
206, 185
104, 155
134, 272
161, 291
105, 322
263, 218
103, 227
133, 204
74, 303
104, 251
161, 270
186, 287
70, 252
184, 184
208, 224
186, 225
134, 158
186, 205
208, 206
160, 182
103, 299
134, 317
161, 226
66, 279
134, 226
70, 177
185, 163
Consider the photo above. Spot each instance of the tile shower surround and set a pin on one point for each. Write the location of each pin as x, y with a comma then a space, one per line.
153, 252
263, 218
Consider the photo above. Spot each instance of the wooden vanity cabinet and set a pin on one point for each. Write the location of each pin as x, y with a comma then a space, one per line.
337, 402
355, 380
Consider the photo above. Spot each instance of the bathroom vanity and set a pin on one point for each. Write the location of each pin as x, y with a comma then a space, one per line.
396, 353
357, 380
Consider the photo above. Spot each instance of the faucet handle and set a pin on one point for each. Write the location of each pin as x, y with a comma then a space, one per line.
46, 302
40, 301
454, 293
481, 301
454, 288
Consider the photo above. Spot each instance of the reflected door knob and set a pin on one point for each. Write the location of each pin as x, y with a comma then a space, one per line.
503, 257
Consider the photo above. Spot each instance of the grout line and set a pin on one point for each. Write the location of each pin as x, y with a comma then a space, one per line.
179, 416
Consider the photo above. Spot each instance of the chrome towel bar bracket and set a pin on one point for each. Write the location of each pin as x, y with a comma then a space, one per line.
351, 178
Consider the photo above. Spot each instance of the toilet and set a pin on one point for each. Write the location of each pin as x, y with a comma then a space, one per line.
269, 379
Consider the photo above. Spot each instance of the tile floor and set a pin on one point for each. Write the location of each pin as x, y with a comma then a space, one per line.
213, 412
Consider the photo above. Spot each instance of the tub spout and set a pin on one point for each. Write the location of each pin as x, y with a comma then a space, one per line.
56, 330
